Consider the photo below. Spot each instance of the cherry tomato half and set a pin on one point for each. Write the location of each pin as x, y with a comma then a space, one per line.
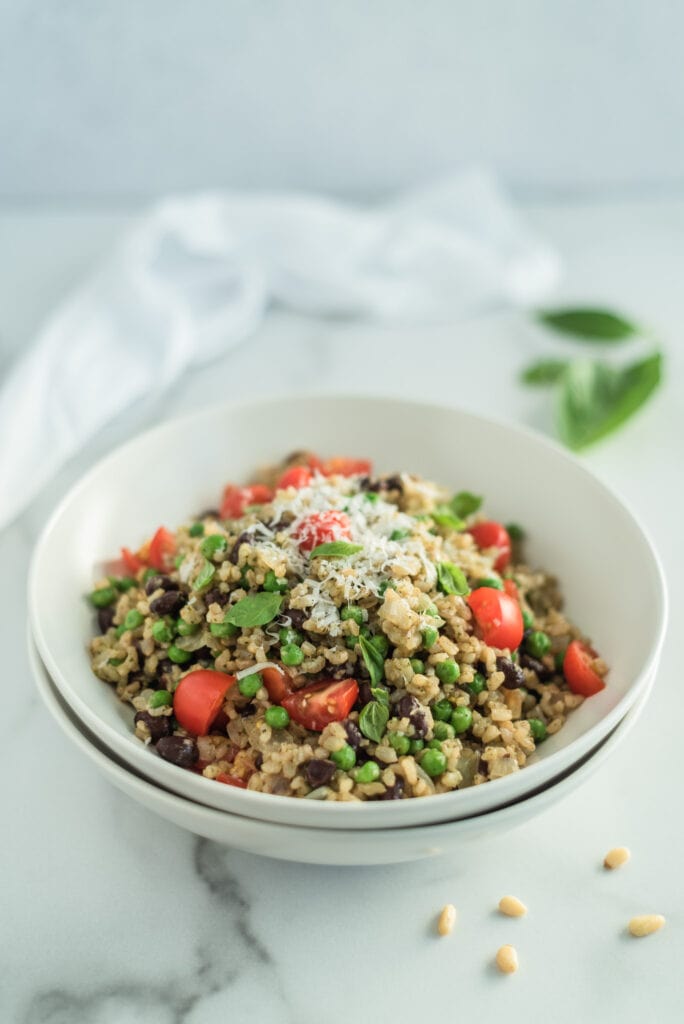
347, 467
493, 535
198, 699
322, 703
322, 527
511, 589
231, 780
578, 669
131, 561
236, 499
277, 683
498, 617
162, 549
295, 476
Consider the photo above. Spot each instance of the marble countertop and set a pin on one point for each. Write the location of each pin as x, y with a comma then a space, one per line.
112, 916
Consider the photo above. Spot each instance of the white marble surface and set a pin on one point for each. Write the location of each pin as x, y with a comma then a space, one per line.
110, 916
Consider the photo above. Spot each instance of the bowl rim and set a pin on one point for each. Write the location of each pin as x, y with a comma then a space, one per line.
350, 809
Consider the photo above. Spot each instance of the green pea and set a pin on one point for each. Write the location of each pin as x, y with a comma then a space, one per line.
381, 644
416, 745
214, 544
288, 635
538, 729
418, 666
399, 534
488, 581
148, 574
344, 758
371, 497
277, 718
250, 685
196, 530
434, 745
432, 612
558, 659
538, 644
161, 632
443, 731
461, 719
178, 656
447, 671
528, 618
160, 699
351, 642
368, 772
223, 629
115, 662
386, 585
430, 636
124, 583
103, 597
400, 742
478, 684
273, 584
354, 613
132, 621
515, 532
442, 710
433, 762
291, 654
184, 628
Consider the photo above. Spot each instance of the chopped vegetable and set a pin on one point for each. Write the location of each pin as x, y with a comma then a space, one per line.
579, 671
322, 703
198, 699
493, 535
498, 617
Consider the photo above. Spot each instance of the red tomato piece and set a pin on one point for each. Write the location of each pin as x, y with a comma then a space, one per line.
277, 683
321, 528
322, 703
162, 549
132, 562
578, 669
493, 535
231, 780
511, 589
236, 499
198, 699
341, 466
295, 476
498, 617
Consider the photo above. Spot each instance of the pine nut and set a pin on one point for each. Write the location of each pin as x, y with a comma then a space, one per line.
511, 906
447, 919
616, 857
646, 924
507, 960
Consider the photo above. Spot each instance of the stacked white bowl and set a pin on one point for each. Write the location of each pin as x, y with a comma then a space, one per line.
576, 527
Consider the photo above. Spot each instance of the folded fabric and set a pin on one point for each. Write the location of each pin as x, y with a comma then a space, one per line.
196, 275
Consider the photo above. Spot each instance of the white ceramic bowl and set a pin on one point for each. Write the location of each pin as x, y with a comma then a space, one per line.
577, 528
321, 845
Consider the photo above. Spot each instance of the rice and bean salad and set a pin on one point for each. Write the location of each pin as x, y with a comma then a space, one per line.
331, 634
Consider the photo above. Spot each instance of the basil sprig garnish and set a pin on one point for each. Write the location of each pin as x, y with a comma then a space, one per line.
451, 579
373, 719
443, 516
465, 503
589, 324
336, 549
204, 576
255, 610
546, 371
373, 658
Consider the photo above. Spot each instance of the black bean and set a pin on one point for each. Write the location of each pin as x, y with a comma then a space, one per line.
281, 524
365, 695
105, 618
246, 710
258, 761
202, 654
319, 772
159, 582
406, 706
354, 737
164, 674
513, 674
209, 513
366, 483
159, 725
362, 756
418, 720
543, 672
215, 596
297, 617
169, 603
180, 750
244, 538
392, 483
394, 792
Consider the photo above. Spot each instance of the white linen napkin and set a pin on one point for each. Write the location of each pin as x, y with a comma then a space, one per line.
196, 274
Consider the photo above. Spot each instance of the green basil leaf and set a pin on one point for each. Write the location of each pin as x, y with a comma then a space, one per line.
443, 516
464, 504
451, 579
545, 371
595, 398
380, 694
374, 660
256, 610
336, 549
373, 718
204, 576
589, 324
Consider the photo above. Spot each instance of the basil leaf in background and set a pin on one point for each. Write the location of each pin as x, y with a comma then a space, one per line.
546, 371
374, 660
380, 694
595, 398
451, 579
444, 517
589, 324
256, 610
204, 576
464, 504
335, 549
373, 718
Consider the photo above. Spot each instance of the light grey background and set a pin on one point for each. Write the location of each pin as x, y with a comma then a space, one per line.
126, 99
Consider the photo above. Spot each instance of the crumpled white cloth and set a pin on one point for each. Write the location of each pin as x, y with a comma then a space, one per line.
196, 274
